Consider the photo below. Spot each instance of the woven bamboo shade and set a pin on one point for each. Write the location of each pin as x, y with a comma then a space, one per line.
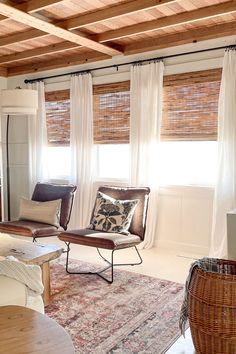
190, 106
111, 113
190, 110
58, 117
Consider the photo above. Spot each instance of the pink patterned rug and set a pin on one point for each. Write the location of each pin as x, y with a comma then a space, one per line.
135, 314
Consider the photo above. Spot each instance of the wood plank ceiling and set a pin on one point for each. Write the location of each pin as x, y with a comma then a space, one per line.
47, 34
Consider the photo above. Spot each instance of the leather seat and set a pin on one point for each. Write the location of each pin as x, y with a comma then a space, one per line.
98, 239
44, 192
110, 240
28, 228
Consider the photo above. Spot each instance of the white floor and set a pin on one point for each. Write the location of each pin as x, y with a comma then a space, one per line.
162, 263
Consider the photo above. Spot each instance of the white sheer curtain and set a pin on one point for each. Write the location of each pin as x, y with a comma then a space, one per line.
146, 112
38, 142
81, 140
225, 191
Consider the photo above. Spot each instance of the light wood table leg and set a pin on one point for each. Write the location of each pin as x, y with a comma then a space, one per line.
46, 282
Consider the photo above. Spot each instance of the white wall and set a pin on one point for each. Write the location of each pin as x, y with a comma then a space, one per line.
184, 213
18, 161
3, 85
184, 218
18, 155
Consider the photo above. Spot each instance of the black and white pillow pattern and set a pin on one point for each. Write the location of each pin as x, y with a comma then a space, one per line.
112, 215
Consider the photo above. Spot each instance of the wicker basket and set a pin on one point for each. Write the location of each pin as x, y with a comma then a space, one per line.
212, 309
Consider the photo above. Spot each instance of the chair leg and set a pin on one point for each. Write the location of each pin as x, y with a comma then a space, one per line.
111, 265
123, 264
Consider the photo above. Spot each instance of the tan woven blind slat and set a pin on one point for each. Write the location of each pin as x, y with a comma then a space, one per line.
189, 110
58, 117
111, 104
190, 106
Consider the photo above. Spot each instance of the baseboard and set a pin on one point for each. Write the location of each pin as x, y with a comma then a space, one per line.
182, 247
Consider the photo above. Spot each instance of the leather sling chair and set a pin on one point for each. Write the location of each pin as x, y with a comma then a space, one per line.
112, 241
44, 192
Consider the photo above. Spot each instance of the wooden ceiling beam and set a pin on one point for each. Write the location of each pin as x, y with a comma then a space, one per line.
121, 9
52, 29
31, 6
34, 6
86, 57
21, 37
190, 36
182, 18
92, 17
64, 46
32, 53
139, 46
78, 21
186, 17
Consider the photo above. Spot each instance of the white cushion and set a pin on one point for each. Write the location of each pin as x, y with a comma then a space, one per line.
45, 212
18, 288
35, 303
12, 292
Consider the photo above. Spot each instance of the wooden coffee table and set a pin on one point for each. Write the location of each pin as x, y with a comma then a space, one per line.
25, 331
32, 253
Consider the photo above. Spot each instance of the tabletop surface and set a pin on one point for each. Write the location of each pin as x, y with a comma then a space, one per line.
28, 251
25, 331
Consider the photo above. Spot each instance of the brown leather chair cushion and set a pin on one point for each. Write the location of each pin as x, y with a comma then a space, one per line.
99, 239
44, 192
28, 228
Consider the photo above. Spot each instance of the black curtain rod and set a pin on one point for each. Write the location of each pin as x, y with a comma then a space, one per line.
131, 63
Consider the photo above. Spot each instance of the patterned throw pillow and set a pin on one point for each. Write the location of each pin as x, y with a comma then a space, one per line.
112, 215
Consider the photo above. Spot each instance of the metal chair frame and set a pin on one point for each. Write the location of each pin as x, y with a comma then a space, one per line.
111, 264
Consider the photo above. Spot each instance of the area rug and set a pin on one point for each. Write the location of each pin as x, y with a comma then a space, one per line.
135, 314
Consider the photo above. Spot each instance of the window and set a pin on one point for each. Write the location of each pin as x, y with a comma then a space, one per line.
190, 106
189, 128
111, 129
188, 162
58, 128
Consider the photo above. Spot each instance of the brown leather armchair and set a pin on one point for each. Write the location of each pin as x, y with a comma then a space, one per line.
44, 192
113, 241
